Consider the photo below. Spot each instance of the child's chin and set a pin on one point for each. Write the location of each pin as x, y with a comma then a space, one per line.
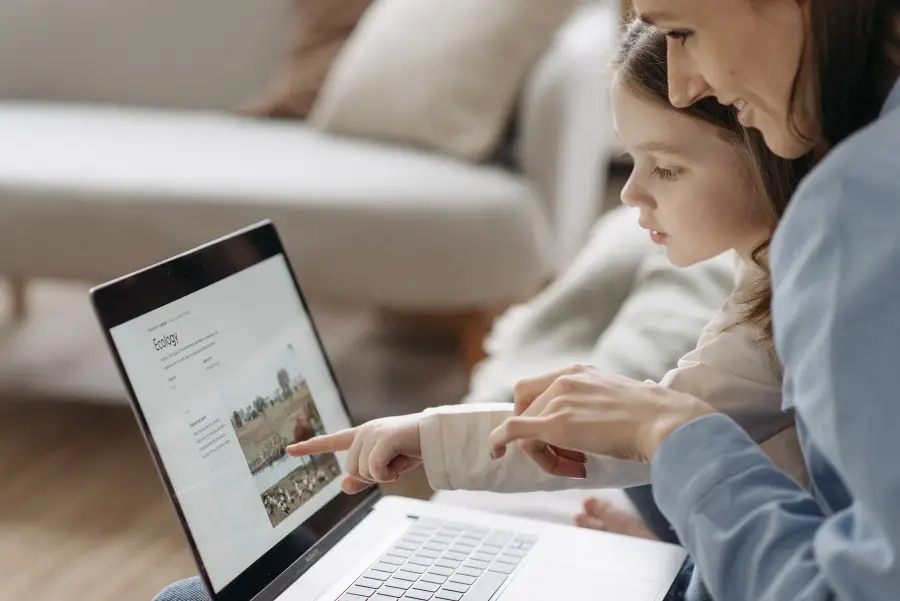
679, 259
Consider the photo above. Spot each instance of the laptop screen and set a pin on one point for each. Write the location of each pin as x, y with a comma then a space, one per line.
225, 377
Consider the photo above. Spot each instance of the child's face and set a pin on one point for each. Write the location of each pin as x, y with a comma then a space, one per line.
691, 186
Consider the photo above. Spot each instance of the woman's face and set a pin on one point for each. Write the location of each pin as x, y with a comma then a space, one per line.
743, 52
691, 186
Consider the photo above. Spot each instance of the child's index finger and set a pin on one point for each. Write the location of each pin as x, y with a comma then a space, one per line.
326, 443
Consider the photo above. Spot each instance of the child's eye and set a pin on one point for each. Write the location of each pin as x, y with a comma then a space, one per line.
665, 174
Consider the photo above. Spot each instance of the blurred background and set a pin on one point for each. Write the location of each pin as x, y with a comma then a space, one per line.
429, 163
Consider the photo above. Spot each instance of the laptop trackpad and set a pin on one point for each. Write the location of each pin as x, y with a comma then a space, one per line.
550, 573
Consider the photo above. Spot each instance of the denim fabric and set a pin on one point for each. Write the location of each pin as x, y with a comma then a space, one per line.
642, 499
190, 589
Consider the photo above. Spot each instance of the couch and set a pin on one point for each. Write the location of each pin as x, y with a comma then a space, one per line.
121, 146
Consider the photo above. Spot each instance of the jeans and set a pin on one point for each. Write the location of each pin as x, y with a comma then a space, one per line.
642, 498
190, 589
688, 586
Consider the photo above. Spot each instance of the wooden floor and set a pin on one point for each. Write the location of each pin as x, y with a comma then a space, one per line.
82, 513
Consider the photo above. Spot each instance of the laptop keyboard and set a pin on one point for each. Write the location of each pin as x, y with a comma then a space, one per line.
442, 561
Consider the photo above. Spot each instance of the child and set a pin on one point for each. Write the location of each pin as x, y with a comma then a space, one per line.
703, 187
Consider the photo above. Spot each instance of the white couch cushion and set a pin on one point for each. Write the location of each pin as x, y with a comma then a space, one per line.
442, 74
94, 192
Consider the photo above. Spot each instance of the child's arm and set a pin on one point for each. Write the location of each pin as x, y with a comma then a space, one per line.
453, 442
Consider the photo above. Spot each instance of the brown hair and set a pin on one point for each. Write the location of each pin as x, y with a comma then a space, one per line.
855, 47
641, 65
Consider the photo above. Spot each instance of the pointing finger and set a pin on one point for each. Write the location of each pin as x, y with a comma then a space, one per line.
513, 429
528, 390
327, 443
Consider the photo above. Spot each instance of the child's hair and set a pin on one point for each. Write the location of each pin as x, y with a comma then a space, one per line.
641, 67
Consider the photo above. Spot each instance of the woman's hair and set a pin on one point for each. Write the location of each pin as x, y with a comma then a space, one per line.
641, 67
855, 48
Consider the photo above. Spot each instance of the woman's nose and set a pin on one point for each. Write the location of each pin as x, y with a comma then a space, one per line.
683, 94
686, 85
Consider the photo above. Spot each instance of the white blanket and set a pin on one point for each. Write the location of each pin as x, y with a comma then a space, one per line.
621, 306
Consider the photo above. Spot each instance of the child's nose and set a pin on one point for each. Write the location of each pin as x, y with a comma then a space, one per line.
633, 196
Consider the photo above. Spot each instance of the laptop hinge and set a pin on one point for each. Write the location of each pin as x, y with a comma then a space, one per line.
315, 553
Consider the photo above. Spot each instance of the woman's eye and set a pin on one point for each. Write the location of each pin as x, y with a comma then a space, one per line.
679, 35
665, 174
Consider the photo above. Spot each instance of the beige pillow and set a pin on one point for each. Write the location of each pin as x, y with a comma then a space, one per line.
440, 74
318, 32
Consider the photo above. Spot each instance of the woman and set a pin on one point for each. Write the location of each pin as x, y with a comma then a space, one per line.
814, 76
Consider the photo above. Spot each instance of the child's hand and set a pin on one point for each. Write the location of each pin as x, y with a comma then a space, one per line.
378, 451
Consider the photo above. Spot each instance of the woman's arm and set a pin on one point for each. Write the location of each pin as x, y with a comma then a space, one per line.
754, 533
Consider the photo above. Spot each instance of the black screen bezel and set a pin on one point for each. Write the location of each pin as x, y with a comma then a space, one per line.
131, 296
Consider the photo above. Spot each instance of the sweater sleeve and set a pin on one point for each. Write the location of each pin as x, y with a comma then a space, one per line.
456, 456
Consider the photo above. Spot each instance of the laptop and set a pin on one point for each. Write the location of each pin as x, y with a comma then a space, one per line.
225, 367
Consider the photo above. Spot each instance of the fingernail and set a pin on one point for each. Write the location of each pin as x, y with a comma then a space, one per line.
497, 453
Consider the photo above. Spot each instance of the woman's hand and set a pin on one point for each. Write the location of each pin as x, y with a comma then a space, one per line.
588, 410
378, 451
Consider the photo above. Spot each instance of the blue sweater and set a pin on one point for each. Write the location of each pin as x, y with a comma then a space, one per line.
754, 534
